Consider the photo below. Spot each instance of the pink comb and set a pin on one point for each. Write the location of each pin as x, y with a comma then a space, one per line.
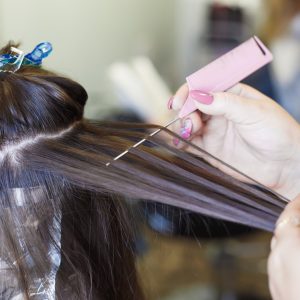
228, 70
219, 76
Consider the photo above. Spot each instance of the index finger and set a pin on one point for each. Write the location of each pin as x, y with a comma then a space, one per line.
180, 97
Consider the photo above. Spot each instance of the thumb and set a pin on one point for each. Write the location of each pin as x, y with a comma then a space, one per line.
292, 207
246, 91
233, 107
289, 220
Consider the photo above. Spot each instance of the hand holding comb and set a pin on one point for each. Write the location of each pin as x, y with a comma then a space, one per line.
220, 75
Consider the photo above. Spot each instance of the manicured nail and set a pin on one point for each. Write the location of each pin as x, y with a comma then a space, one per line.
186, 129
175, 141
201, 97
170, 103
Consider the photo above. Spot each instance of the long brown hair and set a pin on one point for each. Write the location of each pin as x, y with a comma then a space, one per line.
65, 229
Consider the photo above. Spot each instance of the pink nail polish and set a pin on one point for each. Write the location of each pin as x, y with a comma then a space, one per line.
201, 97
170, 103
186, 129
175, 141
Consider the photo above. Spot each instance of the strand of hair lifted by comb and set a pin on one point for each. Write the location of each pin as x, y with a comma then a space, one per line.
142, 141
200, 150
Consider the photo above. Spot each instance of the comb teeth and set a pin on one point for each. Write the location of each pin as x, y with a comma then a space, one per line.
227, 70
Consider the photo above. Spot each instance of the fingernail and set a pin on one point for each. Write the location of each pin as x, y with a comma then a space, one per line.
170, 103
186, 129
175, 141
201, 97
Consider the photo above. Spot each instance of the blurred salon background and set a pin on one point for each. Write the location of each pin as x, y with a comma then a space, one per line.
131, 55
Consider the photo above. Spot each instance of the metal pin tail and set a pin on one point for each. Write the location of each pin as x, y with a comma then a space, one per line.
142, 141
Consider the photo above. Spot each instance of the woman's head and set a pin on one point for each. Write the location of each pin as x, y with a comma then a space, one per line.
45, 138
35, 101
57, 192
58, 240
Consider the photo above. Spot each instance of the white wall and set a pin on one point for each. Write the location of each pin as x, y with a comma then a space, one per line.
88, 35
191, 25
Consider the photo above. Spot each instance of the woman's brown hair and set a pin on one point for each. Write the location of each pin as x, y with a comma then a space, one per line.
65, 229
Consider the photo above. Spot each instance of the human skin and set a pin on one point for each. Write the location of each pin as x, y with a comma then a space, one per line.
254, 134
247, 130
284, 260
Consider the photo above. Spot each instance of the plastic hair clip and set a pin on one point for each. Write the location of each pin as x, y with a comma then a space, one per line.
12, 61
40, 52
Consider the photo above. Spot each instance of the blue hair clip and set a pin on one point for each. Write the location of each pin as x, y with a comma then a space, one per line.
13, 61
40, 52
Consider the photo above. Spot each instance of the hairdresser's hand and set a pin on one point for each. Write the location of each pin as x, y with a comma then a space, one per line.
247, 130
284, 260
